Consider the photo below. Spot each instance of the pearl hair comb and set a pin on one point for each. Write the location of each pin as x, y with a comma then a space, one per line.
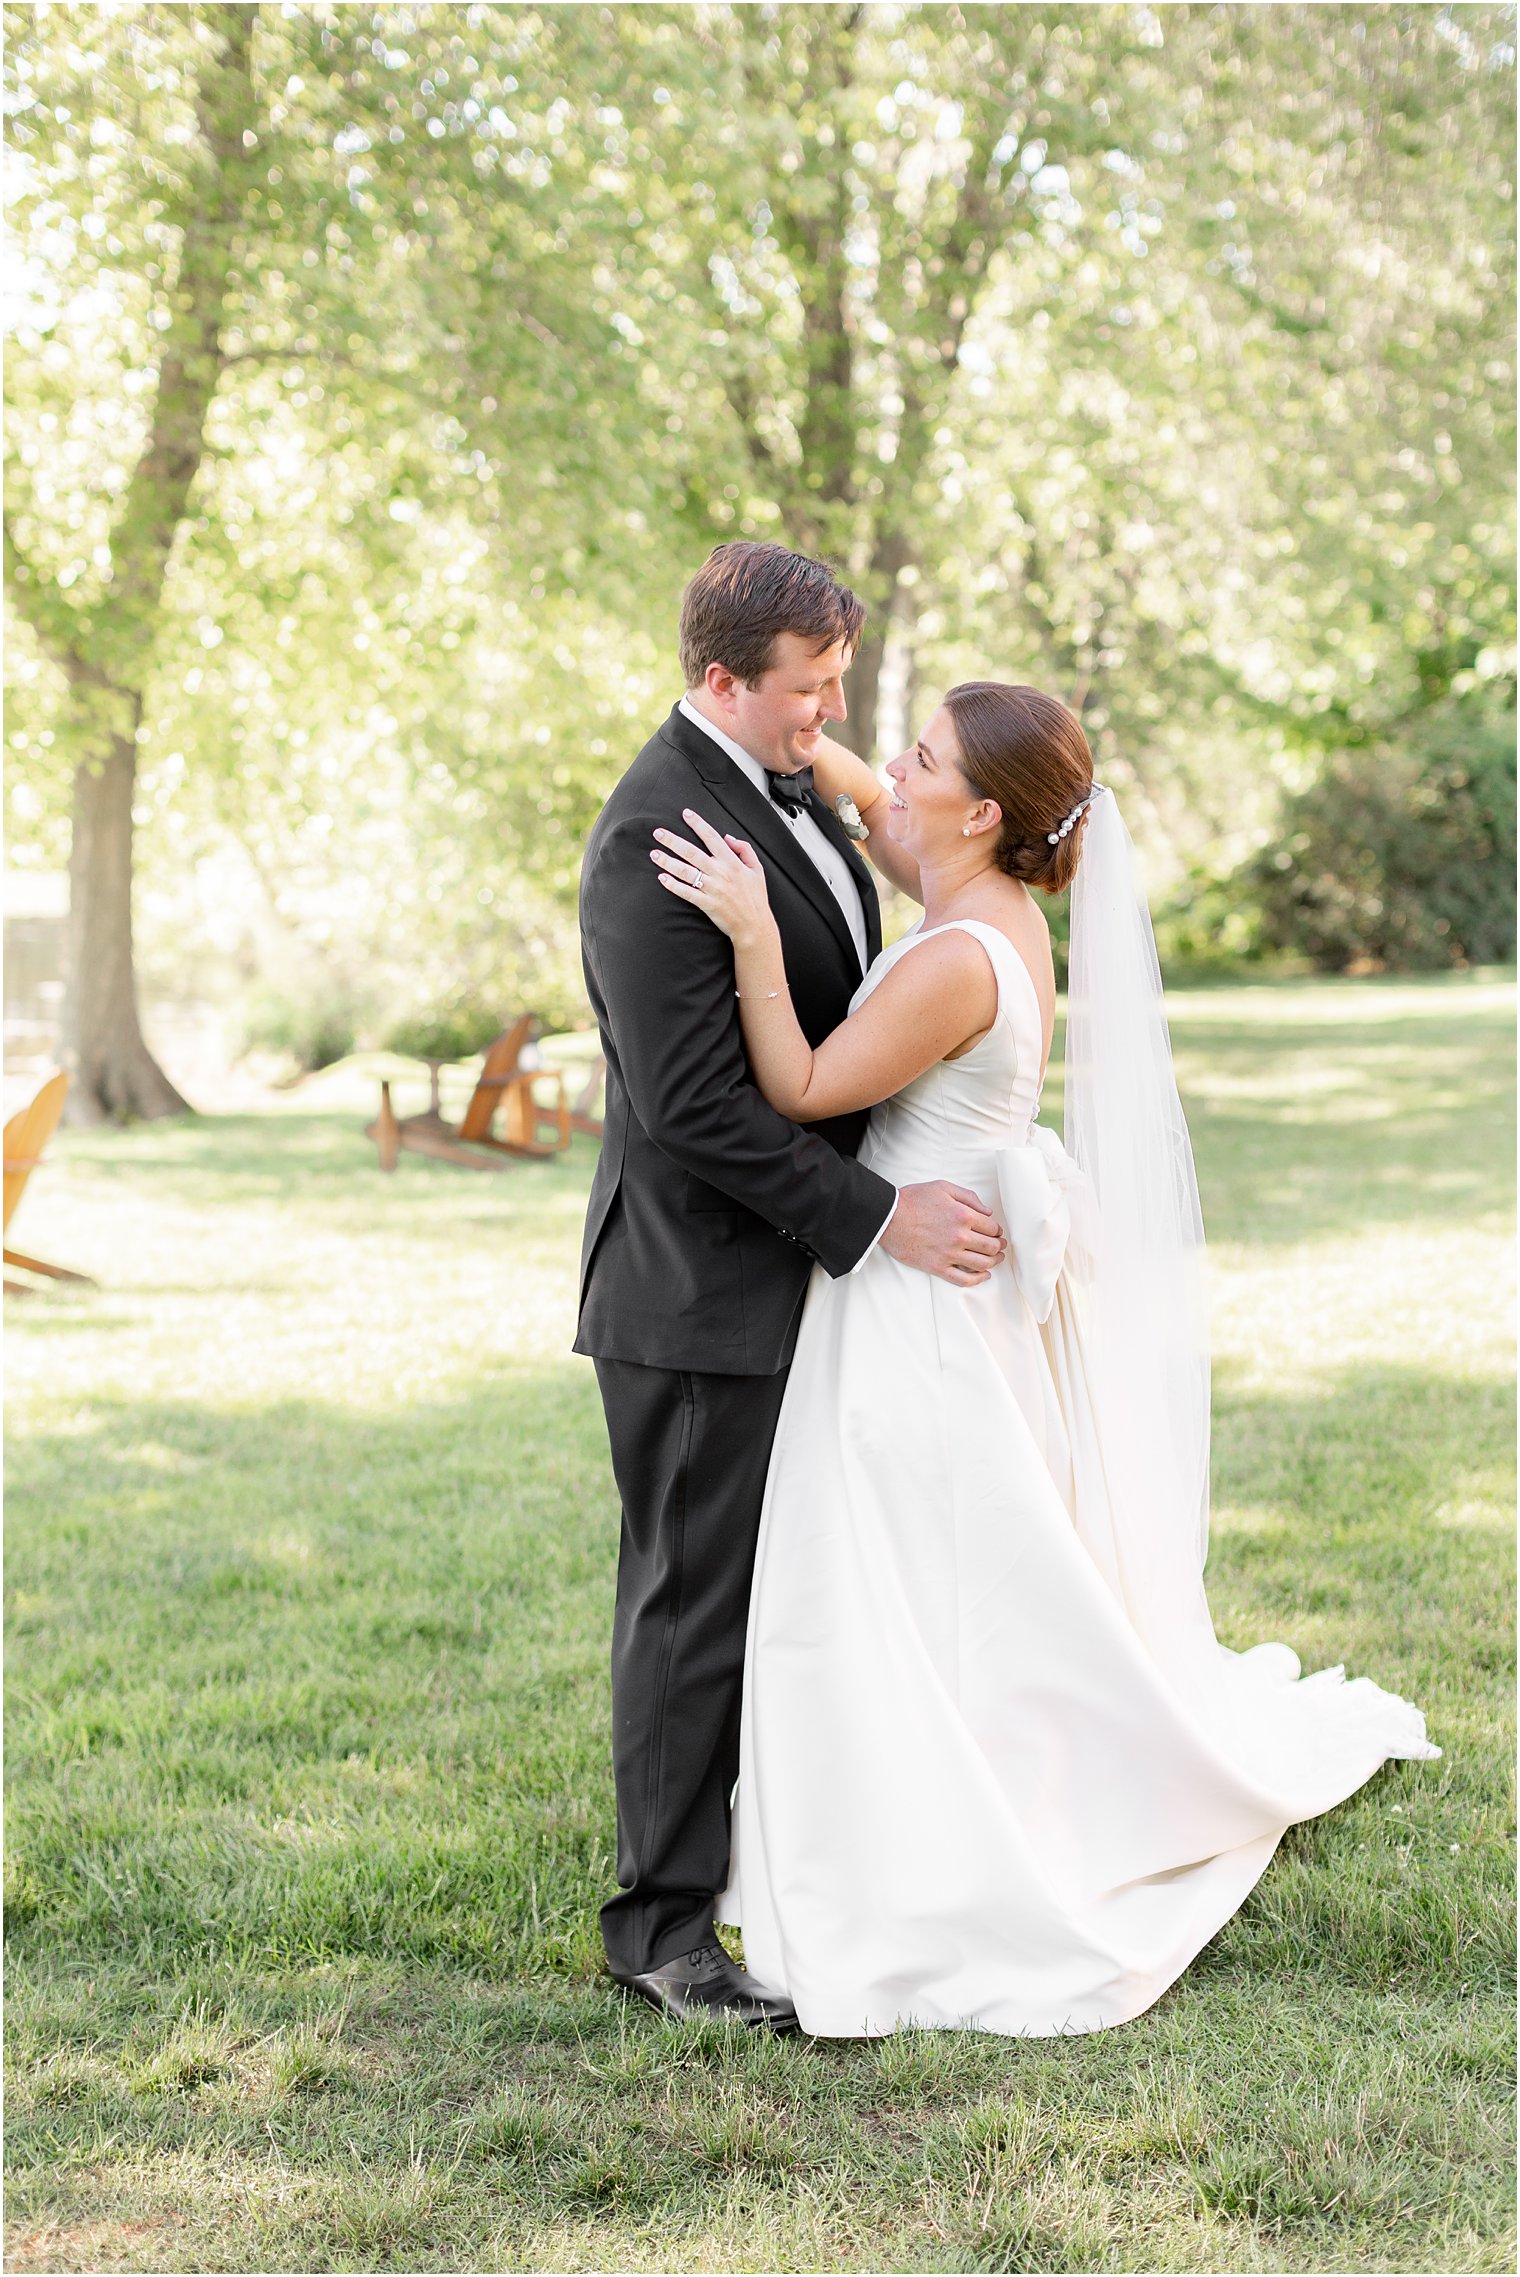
1054, 837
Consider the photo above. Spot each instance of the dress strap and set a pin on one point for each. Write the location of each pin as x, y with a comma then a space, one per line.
1001, 954
1014, 986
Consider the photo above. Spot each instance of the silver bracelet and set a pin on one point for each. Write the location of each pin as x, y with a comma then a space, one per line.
760, 996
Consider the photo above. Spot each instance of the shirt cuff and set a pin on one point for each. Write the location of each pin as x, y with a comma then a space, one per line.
886, 1221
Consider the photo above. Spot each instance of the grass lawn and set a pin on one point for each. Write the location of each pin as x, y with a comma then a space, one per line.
312, 1549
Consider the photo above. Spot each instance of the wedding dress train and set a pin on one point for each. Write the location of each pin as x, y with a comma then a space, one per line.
988, 1778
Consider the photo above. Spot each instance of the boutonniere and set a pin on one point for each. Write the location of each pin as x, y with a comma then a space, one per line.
849, 816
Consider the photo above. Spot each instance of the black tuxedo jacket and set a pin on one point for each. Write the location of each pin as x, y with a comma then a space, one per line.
708, 1208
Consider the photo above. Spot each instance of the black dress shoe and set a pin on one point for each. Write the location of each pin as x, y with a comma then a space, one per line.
705, 1982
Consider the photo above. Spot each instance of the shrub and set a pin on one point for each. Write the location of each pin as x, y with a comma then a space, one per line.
1401, 855
1207, 926
314, 1029
455, 1033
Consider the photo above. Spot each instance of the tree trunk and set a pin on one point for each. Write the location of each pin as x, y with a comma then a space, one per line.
863, 687
863, 691
107, 650
114, 1075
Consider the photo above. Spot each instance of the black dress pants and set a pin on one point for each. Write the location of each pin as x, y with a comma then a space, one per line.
689, 1453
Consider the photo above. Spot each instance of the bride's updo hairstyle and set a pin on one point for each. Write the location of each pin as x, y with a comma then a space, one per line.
1028, 752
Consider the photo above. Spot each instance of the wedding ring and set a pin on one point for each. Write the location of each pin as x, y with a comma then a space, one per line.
697, 880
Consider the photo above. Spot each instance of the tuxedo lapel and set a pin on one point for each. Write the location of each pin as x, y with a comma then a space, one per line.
757, 819
865, 884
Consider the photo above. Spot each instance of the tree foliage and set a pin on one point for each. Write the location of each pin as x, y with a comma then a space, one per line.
324, 331
1401, 855
380, 372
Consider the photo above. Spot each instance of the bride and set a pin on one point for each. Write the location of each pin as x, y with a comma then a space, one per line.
996, 1771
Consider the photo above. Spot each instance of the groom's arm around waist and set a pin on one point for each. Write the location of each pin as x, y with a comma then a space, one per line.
666, 980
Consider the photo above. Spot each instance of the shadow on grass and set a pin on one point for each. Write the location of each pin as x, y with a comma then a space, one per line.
1329, 1128
222, 1160
307, 1684
314, 1682
1305, 1127
1387, 1479
313, 1813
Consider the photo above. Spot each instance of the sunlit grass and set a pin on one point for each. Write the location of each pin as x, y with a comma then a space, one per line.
311, 1563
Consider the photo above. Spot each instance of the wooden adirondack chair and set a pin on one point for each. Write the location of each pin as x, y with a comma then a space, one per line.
26, 1135
504, 1087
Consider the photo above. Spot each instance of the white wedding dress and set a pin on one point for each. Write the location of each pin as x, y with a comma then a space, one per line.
982, 1783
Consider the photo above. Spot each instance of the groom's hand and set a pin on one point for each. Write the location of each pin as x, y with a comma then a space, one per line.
944, 1229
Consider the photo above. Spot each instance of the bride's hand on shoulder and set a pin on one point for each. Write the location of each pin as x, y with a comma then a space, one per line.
839, 773
720, 876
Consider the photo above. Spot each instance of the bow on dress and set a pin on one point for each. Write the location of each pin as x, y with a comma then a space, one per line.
1049, 1215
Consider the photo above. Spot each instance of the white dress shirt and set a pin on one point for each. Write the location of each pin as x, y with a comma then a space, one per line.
826, 859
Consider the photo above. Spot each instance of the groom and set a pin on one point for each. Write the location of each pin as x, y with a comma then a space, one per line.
706, 1215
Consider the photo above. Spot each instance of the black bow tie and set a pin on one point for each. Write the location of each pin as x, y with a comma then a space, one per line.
790, 791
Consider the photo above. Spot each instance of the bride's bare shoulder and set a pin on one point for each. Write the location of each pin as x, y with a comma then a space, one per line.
939, 952
1016, 913
943, 963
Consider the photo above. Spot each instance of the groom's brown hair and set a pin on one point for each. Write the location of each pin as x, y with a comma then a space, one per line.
745, 593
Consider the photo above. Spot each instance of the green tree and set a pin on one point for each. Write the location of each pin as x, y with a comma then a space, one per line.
279, 243
1163, 357
1103, 344
829, 195
1402, 854
105, 651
